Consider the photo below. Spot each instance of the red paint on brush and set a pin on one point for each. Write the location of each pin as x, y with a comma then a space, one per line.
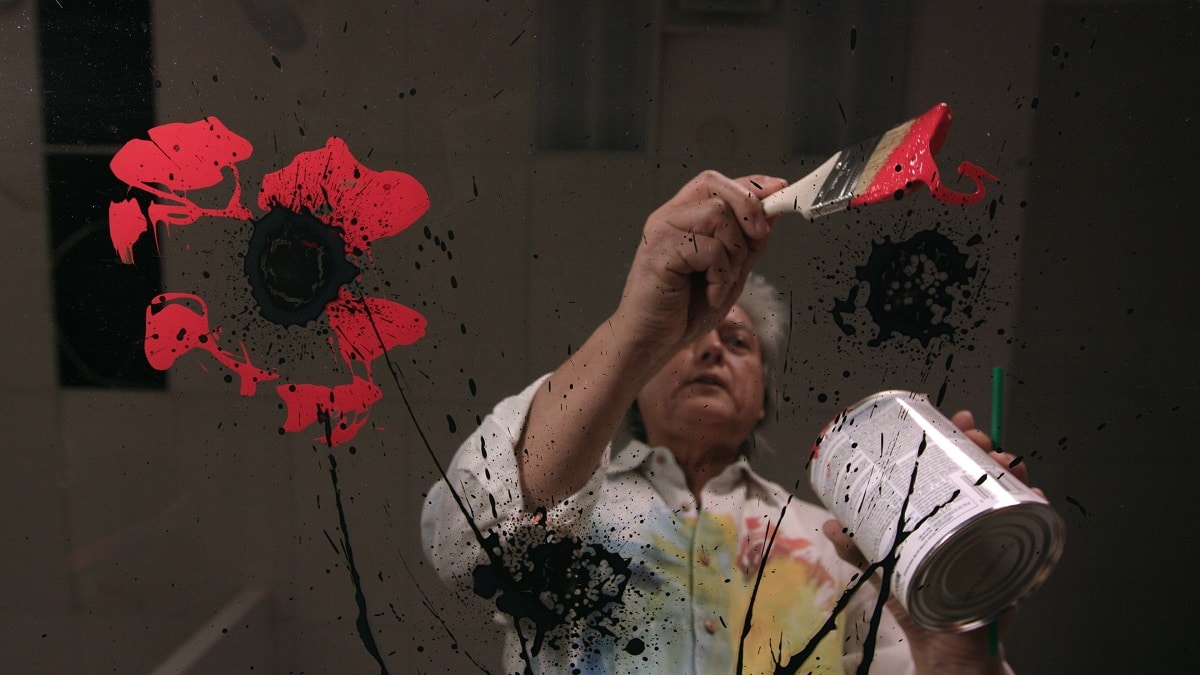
911, 164
179, 157
174, 329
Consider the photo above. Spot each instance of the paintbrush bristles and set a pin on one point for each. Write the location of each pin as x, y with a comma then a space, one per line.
887, 143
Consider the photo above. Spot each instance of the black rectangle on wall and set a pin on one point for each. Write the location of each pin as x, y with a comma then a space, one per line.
100, 303
97, 70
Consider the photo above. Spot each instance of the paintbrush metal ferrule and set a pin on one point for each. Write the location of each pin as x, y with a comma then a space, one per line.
842, 182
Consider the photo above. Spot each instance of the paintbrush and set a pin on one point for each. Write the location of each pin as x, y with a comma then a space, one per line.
881, 169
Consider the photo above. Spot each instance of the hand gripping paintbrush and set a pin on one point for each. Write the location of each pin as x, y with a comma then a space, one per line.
883, 168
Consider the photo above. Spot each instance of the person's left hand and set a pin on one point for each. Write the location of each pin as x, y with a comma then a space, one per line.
944, 652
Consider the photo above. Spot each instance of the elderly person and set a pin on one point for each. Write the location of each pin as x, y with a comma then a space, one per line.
702, 542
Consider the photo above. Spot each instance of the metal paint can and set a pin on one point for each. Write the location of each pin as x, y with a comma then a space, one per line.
970, 539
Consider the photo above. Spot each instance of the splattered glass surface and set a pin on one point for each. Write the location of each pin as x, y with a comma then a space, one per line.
269, 262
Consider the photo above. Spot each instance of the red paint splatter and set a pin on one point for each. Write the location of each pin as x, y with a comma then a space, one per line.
753, 544
367, 205
368, 327
363, 205
365, 328
178, 157
911, 164
342, 408
174, 329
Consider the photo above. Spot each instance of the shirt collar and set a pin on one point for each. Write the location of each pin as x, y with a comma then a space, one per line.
634, 454
629, 457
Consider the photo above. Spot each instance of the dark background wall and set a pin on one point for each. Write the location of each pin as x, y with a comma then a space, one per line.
151, 521
1109, 312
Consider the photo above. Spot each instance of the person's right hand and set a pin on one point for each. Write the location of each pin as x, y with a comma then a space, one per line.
692, 263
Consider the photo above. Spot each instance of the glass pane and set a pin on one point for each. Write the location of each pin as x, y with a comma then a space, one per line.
274, 268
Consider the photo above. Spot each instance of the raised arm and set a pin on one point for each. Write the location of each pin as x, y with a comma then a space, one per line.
689, 269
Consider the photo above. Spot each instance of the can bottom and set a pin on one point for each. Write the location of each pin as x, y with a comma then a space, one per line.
985, 567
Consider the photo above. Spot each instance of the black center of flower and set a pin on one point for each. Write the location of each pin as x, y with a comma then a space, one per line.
295, 265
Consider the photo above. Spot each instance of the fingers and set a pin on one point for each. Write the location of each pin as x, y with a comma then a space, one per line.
719, 200
698, 254
761, 186
719, 230
740, 198
846, 549
694, 256
1013, 464
979, 438
964, 420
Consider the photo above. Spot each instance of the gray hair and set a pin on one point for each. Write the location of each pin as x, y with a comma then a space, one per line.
764, 304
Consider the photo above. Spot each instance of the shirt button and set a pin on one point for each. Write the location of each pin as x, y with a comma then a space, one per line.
710, 626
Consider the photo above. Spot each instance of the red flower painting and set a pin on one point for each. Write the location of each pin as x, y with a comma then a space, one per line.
320, 214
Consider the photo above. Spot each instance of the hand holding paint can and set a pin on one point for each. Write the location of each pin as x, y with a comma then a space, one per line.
964, 539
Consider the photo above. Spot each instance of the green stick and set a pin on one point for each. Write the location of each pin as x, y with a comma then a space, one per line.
997, 405
997, 418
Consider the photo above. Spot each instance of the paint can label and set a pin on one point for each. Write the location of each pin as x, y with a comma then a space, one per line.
964, 539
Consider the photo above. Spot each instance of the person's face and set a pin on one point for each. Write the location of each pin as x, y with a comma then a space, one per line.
714, 385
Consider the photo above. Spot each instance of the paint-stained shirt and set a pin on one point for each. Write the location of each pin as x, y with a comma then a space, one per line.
633, 574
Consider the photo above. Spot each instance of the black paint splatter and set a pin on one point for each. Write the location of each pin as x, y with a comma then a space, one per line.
325, 419
913, 288
563, 585
363, 626
586, 580
295, 265
941, 395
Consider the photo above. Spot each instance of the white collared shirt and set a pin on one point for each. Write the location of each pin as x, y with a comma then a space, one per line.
688, 570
